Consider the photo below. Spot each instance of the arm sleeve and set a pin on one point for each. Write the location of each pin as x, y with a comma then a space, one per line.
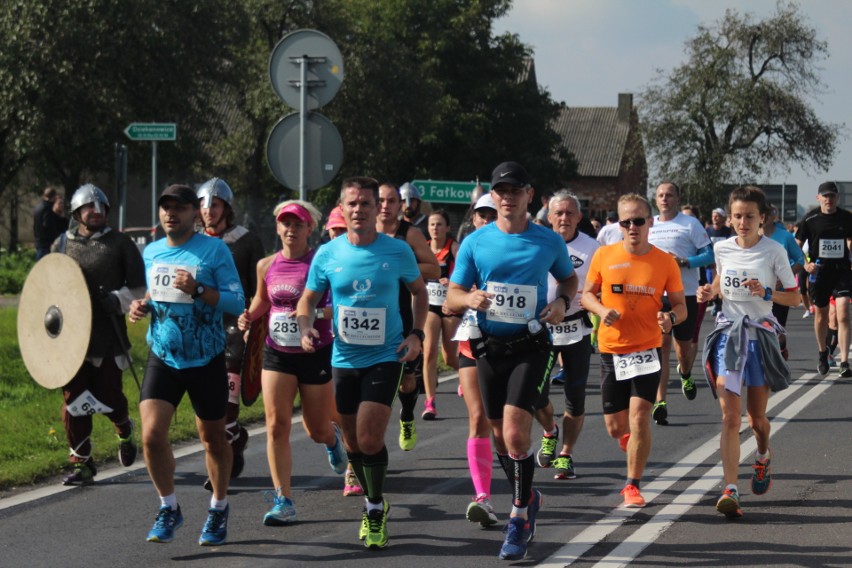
703, 258
794, 253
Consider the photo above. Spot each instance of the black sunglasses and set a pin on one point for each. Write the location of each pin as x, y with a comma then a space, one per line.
636, 221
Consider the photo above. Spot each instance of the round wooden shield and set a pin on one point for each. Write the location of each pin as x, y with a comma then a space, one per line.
54, 320
250, 385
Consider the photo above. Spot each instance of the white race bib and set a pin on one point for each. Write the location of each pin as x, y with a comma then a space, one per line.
512, 303
635, 364
437, 293
86, 404
284, 330
361, 326
161, 280
567, 332
831, 248
732, 283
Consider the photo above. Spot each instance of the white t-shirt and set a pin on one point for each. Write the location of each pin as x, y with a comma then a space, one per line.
766, 261
683, 236
580, 250
610, 234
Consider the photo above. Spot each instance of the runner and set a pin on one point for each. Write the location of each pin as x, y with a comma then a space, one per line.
441, 324
115, 275
192, 281
747, 268
571, 341
631, 278
217, 214
773, 229
827, 231
479, 457
717, 231
684, 238
364, 271
287, 369
510, 298
389, 223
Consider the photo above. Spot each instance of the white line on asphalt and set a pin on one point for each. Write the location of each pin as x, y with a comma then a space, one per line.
633, 545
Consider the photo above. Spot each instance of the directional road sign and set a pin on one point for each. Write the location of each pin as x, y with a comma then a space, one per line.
438, 191
152, 131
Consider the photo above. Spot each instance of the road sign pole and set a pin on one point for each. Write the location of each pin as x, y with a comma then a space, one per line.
153, 190
303, 116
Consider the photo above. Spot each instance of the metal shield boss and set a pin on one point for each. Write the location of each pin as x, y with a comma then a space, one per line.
54, 320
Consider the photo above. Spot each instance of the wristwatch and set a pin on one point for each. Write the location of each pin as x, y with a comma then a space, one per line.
199, 290
767, 294
673, 317
419, 333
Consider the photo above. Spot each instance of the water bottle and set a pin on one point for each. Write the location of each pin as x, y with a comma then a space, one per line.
538, 333
474, 335
812, 277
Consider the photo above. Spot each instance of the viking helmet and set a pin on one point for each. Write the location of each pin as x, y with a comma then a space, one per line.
89, 194
215, 187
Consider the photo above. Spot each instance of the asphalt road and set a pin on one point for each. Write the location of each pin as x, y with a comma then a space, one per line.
804, 520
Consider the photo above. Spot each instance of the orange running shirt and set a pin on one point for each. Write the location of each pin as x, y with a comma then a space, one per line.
633, 285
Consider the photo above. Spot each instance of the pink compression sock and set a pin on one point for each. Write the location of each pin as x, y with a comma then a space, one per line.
479, 461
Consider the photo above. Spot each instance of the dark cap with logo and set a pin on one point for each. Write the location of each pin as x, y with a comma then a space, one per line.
180, 193
827, 187
511, 173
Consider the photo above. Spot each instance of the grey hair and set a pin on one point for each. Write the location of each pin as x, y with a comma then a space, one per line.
564, 195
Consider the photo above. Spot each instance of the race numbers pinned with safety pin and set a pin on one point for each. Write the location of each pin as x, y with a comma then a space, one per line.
635, 365
161, 281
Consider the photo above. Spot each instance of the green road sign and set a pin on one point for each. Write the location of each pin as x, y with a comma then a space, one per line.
438, 191
152, 131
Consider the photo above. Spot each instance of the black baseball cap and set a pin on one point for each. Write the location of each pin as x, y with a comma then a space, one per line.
511, 173
180, 193
827, 187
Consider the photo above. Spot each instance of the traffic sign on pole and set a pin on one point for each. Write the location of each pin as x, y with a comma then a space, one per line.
152, 131
439, 191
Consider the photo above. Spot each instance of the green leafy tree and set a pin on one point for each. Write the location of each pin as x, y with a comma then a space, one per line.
738, 109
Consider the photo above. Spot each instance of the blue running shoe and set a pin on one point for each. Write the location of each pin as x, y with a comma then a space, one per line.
337, 457
761, 479
532, 510
215, 530
558, 378
282, 512
514, 547
167, 522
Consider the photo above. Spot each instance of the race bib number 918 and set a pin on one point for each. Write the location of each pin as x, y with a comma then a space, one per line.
512, 303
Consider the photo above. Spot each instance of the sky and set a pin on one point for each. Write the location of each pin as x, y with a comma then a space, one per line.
588, 51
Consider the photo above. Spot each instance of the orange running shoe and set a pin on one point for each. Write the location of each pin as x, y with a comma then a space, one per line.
632, 497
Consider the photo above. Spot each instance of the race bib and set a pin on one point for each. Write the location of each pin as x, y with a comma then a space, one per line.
715, 240
635, 364
512, 303
831, 248
161, 280
733, 285
284, 330
567, 332
361, 326
437, 293
87, 404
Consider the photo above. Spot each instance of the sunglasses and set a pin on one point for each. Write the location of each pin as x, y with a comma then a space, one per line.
636, 222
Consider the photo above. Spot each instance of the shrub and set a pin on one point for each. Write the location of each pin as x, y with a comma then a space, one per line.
14, 267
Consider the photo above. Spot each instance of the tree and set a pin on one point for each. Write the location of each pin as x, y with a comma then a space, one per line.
737, 109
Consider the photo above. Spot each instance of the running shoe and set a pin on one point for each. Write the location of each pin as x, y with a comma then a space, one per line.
807, 313
365, 525
167, 522
283, 511
632, 497
514, 547
547, 452
622, 442
351, 485
407, 435
822, 366
687, 385
215, 530
660, 413
377, 527
844, 370
82, 473
558, 378
729, 504
337, 457
127, 448
535, 503
761, 479
564, 466
480, 511
831, 360
429, 412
